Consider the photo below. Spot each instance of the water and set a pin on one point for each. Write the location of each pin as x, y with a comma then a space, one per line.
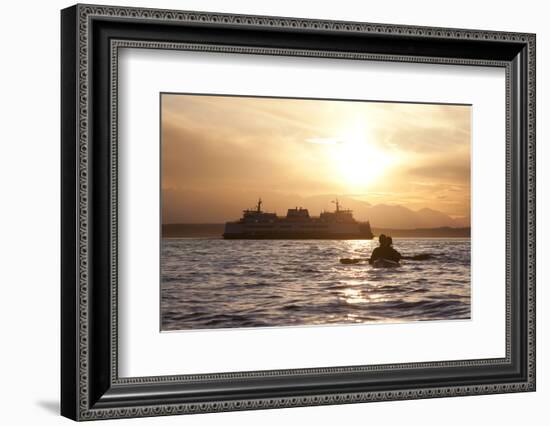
216, 283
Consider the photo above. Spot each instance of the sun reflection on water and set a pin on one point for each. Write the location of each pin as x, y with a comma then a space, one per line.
360, 247
353, 295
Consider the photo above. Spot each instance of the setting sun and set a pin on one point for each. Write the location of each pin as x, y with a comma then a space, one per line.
358, 161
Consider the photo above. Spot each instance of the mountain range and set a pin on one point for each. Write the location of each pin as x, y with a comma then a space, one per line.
391, 215
210, 209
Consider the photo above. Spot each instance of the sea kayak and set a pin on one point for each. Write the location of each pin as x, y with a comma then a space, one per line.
385, 263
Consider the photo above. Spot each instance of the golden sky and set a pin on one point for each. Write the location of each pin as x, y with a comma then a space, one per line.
220, 153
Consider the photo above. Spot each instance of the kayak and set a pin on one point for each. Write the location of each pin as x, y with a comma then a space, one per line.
385, 263
378, 263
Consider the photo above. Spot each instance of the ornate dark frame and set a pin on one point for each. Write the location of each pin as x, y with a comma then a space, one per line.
91, 37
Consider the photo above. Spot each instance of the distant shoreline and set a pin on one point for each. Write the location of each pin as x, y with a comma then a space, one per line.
215, 230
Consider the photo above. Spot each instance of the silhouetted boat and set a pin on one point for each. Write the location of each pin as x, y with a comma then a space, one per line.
298, 224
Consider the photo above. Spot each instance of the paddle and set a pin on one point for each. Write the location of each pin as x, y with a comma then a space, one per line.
424, 256
347, 261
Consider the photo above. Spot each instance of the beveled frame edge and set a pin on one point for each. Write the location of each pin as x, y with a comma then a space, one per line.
76, 200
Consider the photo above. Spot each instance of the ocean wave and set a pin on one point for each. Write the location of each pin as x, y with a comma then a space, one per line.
209, 283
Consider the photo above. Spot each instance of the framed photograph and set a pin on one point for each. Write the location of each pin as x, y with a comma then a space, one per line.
263, 212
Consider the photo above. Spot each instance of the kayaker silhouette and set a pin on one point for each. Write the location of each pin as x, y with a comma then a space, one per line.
385, 251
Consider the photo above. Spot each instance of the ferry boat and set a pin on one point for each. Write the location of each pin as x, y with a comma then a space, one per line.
298, 224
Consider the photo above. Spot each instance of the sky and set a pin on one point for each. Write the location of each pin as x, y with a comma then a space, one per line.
220, 153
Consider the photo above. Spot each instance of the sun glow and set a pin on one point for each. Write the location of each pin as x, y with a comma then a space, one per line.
359, 162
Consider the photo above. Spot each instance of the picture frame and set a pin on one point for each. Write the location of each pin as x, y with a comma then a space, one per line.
91, 37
